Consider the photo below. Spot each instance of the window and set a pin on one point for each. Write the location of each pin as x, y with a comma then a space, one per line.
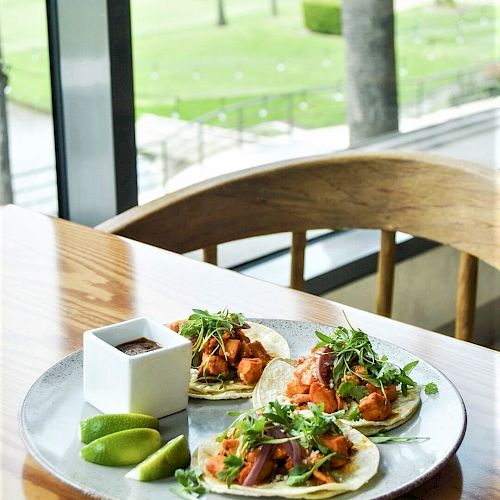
23, 27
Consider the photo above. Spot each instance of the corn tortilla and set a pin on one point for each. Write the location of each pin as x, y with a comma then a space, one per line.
275, 345
362, 467
279, 372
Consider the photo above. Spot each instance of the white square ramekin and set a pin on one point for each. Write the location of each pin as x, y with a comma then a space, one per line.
154, 383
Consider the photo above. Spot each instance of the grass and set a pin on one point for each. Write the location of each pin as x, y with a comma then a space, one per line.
184, 64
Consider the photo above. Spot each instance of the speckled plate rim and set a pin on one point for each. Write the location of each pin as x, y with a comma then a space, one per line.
404, 488
425, 476
32, 448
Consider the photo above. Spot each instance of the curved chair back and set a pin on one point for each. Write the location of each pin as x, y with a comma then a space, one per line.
449, 201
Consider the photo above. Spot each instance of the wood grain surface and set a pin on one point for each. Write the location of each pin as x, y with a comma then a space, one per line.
60, 279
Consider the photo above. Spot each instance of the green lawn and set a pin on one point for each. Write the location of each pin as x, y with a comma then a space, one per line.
185, 64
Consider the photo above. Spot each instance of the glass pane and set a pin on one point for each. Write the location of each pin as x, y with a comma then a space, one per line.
266, 85
23, 27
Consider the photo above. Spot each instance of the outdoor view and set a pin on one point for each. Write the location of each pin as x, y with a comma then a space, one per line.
212, 77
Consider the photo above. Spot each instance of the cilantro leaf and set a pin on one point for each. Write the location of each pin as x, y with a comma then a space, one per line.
279, 414
232, 466
353, 414
189, 484
431, 388
350, 389
300, 474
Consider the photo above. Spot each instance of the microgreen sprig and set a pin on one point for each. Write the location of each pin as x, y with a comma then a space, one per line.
351, 347
382, 438
202, 326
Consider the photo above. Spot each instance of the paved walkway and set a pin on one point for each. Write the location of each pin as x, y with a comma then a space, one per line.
330, 139
32, 150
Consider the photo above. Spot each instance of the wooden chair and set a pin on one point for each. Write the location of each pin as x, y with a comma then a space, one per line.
448, 201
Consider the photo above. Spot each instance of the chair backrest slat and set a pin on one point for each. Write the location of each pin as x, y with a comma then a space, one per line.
298, 255
466, 296
210, 254
385, 273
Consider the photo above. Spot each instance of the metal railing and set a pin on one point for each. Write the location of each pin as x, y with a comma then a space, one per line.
254, 120
258, 119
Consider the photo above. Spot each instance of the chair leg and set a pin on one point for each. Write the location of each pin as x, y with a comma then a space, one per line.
385, 274
297, 266
466, 296
210, 254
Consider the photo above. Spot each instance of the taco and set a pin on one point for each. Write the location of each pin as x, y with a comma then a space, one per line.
343, 372
283, 452
229, 353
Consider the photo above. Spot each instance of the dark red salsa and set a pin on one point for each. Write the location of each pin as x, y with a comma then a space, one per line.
138, 346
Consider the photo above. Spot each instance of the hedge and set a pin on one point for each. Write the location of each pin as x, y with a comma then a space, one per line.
323, 16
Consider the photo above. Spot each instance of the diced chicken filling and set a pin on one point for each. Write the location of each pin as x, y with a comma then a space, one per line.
279, 461
249, 370
340, 445
213, 366
305, 388
391, 393
323, 395
375, 407
229, 356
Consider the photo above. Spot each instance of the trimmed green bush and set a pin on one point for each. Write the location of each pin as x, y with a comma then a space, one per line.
323, 16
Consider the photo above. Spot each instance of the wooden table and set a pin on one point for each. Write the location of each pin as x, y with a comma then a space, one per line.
60, 279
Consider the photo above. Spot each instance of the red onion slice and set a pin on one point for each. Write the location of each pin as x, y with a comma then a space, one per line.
324, 368
252, 477
292, 447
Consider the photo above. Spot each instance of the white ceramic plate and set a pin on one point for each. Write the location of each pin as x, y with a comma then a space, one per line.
54, 405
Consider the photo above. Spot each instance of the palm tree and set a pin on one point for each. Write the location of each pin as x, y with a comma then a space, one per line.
221, 15
5, 179
372, 103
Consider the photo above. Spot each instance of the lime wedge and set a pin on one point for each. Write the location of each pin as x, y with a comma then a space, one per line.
174, 455
122, 448
101, 425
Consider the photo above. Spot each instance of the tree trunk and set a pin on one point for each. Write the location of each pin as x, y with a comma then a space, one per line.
221, 15
372, 103
274, 7
5, 179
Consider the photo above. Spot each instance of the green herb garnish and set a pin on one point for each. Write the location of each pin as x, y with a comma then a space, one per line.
300, 474
189, 486
311, 428
351, 347
251, 429
382, 438
232, 467
431, 388
203, 326
350, 389
354, 414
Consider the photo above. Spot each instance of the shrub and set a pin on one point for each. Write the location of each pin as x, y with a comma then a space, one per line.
323, 16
